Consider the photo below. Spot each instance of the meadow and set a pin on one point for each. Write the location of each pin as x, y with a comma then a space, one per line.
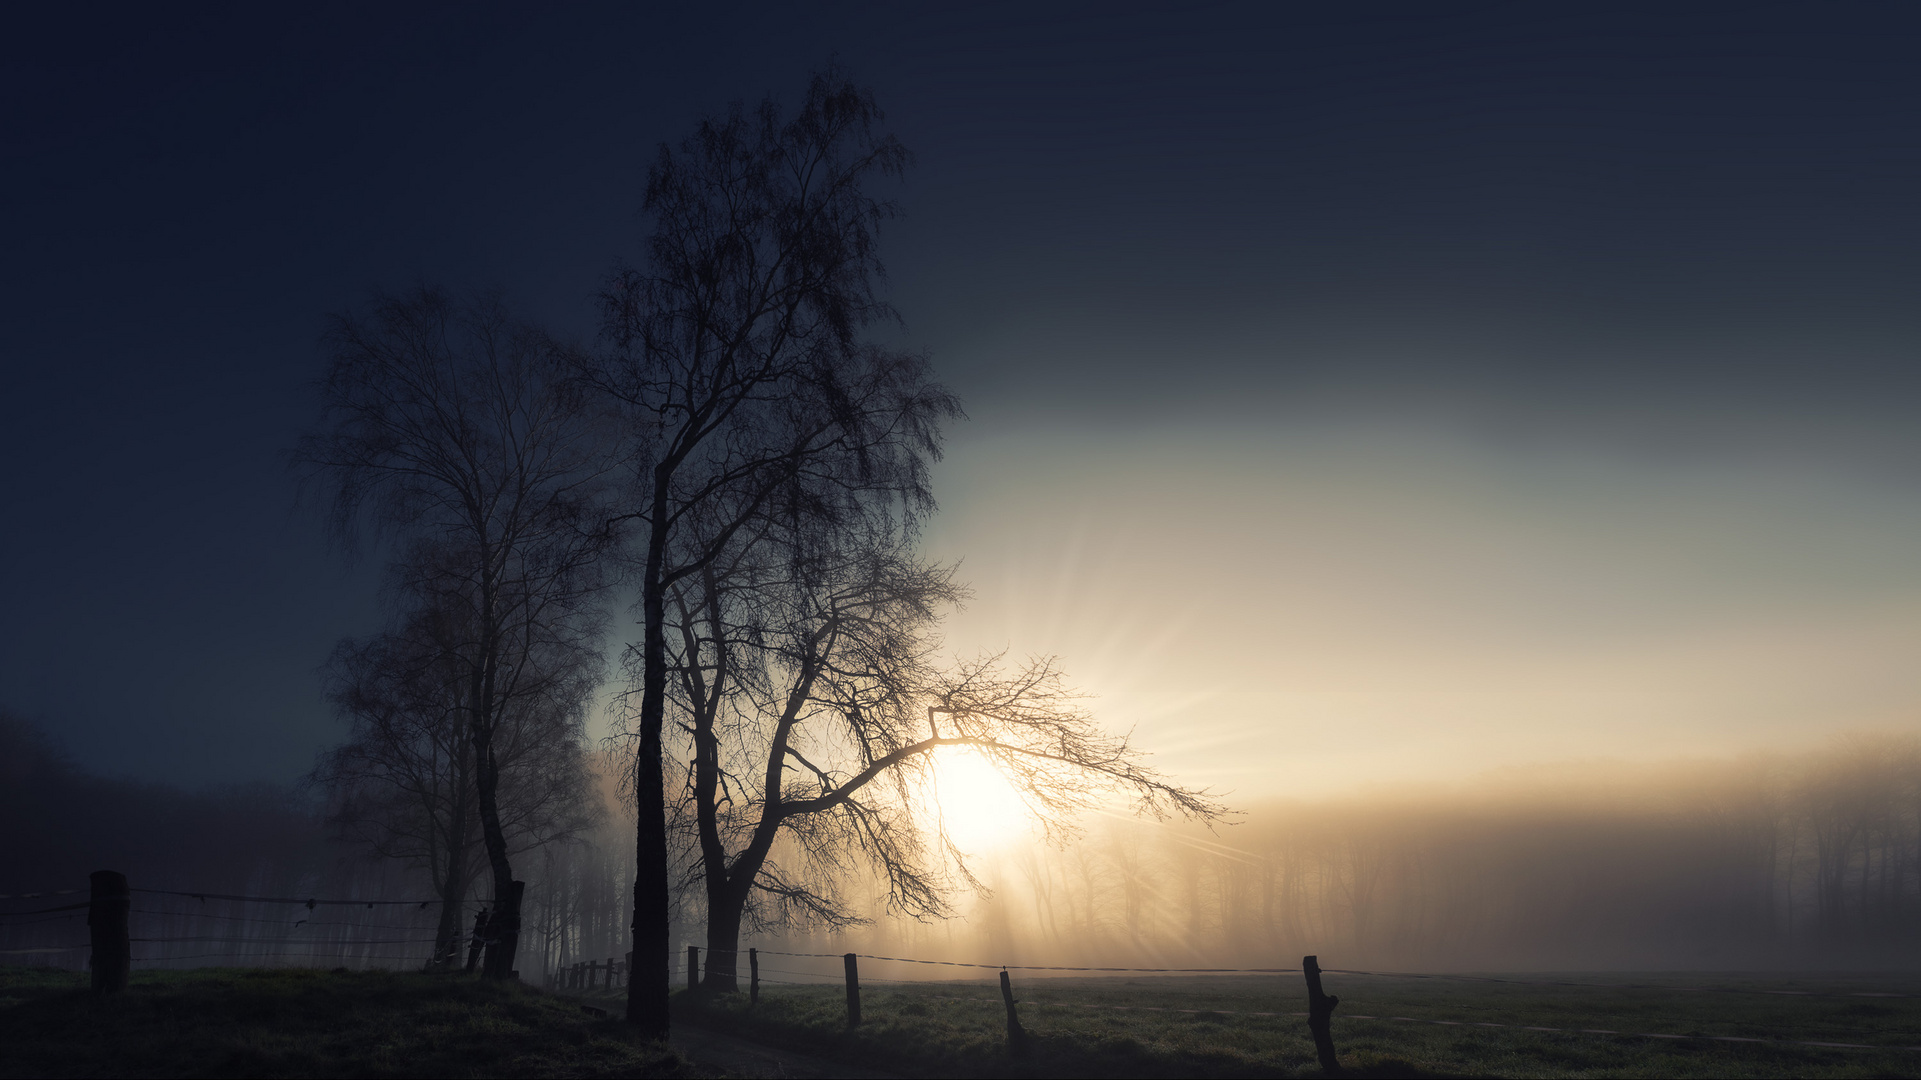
292, 1022
301, 1023
1663, 1025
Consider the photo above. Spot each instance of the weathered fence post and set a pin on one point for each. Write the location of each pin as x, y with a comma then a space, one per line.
107, 910
753, 976
1016, 1035
610, 973
693, 967
479, 940
1320, 1013
853, 990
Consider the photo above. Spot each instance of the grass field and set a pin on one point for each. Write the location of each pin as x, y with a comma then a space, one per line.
1128, 1027
297, 1023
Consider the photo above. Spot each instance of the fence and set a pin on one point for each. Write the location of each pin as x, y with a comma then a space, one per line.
588, 974
1321, 1006
393, 933
170, 928
126, 926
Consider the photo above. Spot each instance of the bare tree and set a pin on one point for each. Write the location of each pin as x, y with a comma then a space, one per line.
405, 782
452, 425
814, 712
738, 361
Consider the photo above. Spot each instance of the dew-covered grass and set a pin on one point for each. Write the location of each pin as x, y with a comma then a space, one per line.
1609, 1025
291, 1022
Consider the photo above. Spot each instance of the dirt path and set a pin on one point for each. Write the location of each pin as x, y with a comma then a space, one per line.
723, 1054
726, 1055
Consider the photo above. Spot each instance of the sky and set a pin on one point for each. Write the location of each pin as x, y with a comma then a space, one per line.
1358, 394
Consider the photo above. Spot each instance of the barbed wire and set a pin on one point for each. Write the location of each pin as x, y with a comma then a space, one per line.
309, 948
45, 910
309, 900
281, 941
68, 917
272, 922
211, 955
1030, 967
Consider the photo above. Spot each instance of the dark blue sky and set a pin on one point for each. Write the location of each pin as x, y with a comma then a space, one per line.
1651, 235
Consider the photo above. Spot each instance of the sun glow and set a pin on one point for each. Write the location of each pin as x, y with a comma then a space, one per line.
975, 804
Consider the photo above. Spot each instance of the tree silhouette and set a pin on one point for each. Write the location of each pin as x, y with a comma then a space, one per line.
457, 430
404, 783
738, 362
814, 710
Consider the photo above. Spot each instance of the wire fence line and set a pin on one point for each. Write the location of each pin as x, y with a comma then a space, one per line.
231, 955
996, 1004
276, 922
1599, 1026
1039, 967
329, 943
159, 922
1657, 987
308, 901
42, 911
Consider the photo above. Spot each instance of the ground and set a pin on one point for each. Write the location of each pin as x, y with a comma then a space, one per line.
299, 1023
220, 1022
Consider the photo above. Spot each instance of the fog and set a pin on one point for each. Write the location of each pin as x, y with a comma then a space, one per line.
1763, 861
1807, 859
186, 853
1331, 599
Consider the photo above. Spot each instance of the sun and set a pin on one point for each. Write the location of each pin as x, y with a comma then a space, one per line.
974, 802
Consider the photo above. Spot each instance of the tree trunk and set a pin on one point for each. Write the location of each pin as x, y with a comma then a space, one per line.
453, 887
647, 989
725, 902
725, 907
504, 925
447, 935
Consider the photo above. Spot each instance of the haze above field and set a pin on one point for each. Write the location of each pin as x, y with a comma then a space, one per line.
1353, 399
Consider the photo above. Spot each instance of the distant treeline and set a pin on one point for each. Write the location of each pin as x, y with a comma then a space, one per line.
61, 823
1769, 860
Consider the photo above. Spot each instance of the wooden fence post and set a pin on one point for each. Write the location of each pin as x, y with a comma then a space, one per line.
1016, 1035
853, 990
1320, 1013
478, 941
610, 973
693, 968
107, 911
753, 976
